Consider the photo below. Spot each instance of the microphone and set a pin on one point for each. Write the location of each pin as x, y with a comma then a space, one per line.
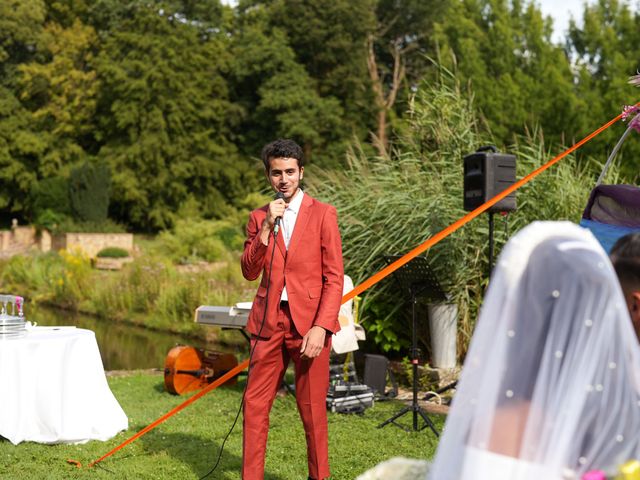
276, 227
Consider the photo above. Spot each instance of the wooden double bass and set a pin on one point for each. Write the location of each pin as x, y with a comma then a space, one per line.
187, 368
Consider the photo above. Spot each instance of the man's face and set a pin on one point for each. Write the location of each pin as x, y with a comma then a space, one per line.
284, 175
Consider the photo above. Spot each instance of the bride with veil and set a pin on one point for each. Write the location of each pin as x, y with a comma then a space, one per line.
551, 384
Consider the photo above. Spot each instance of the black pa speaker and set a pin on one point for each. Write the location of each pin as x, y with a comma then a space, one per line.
488, 172
376, 372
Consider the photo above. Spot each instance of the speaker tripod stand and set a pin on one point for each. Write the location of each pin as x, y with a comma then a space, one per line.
416, 277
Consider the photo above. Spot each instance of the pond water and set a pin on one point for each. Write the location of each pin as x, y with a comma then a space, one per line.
124, 346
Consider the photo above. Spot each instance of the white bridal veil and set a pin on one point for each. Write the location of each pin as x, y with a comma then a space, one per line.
550, 385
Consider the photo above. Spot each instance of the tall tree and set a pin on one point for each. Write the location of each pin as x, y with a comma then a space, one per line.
328, 38
519, 78
396, 53
279, 98
61, 91
164, 115
606, 48
21, 22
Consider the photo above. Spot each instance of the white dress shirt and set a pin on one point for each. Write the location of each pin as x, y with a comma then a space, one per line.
288, 224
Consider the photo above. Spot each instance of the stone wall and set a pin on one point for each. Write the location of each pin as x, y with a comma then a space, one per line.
17, 240
24, 235
21, 239
46, 241
92, 243
5, 240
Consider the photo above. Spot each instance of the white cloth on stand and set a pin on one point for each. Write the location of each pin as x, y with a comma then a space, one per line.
346, 339
54, 389
551, 381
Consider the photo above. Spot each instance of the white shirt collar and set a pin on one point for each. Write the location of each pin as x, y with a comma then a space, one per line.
296, 202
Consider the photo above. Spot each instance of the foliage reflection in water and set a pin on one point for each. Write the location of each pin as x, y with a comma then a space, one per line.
123, 346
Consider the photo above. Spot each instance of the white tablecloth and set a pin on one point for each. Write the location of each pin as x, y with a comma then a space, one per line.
53, 388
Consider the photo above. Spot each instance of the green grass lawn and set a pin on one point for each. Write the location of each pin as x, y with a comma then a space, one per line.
186, 445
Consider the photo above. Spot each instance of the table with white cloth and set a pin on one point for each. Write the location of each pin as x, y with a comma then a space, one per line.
54, 389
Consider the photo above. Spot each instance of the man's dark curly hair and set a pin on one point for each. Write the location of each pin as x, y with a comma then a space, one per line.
627, 246
281, 148
625, 256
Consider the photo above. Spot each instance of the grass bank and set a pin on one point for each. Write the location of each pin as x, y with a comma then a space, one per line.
186, 446
151, 291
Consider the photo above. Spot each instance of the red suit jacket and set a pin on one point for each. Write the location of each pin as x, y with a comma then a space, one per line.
311, 268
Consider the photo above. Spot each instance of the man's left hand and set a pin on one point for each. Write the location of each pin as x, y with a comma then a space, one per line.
313, 342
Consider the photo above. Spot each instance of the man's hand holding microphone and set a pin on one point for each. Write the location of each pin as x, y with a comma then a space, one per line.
273, 219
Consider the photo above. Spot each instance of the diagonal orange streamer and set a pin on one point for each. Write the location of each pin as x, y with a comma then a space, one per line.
212, 386
374, 279
389, 269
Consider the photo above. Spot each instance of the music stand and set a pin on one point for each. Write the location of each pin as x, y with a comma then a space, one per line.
417, 278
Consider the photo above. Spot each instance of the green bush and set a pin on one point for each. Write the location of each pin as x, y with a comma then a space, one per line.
50, 220
113, 252
89, 190
392, 204
200, 240
50, 196
133, 290
77, 204
27, 275
62, 278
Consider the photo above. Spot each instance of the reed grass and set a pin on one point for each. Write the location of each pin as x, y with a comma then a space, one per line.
391, 204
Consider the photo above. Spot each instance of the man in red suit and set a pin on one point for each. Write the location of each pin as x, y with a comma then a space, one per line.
295, 309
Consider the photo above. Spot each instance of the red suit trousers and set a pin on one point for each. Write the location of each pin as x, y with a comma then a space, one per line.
268, 365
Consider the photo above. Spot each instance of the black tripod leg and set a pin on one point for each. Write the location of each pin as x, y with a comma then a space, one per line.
428, 421
414, 408
395, 417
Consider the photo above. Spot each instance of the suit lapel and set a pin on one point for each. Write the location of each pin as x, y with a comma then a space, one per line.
301, 224
280, 243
